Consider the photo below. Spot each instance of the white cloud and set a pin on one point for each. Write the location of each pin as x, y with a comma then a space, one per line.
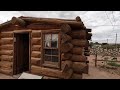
96, 20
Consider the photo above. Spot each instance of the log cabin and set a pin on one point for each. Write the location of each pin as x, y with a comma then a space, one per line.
49, 47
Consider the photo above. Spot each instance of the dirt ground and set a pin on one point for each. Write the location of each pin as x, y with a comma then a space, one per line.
99, 72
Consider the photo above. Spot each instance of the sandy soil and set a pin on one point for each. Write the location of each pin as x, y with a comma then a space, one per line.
98, 72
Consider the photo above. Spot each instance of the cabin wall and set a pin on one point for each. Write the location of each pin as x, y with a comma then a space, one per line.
7, 49
74, 49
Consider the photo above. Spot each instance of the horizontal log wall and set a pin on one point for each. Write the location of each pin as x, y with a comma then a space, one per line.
36, 48
6, 52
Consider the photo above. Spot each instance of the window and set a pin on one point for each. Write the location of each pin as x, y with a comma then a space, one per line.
51, 52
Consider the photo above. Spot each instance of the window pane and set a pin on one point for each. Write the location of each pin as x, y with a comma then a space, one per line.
54, 52
47, 58
47, 40
54, 42
47, 43
48, 51
54, 59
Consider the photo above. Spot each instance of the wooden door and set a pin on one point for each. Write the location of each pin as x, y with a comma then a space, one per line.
21, 53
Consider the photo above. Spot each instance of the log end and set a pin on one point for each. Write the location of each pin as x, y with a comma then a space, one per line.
78, 19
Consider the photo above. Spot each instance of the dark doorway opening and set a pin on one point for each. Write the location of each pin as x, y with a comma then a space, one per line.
21, 53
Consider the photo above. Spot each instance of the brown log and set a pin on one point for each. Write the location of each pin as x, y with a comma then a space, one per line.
73, 24
76, 76
6, 52
36, 41
36, 54
6, 24
6, 34
6, 47
89, 36
65, 28
81, 43
35, 61
6, 41
80, 67
43, 26
51, 72
6, 64
77, 50
66, 56
78, 19
66, 65
23, 17
66, 47
6, 71
36, 47
6, 58
88, 30
18, 21
78, 58
36, 34
65, 38
78, 34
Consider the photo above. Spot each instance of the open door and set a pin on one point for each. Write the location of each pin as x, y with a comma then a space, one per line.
21, 53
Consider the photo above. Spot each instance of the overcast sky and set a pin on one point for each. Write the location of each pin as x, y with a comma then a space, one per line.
104, 24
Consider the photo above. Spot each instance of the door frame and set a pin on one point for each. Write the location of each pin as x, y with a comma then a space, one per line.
30, 45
